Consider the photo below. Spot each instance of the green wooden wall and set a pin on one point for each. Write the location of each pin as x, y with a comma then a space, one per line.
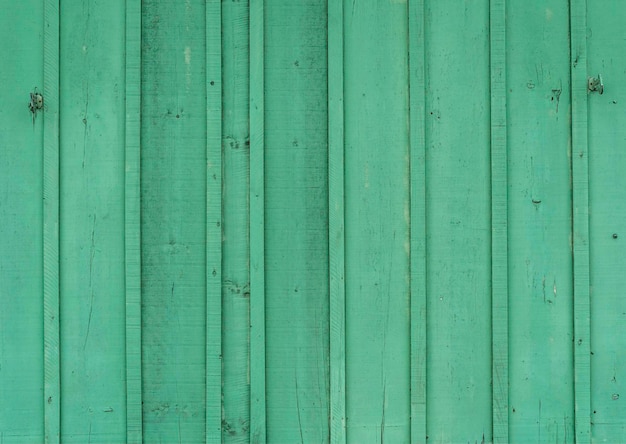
312, 221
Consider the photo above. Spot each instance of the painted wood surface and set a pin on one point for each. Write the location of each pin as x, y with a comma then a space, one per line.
344, 222
607, 160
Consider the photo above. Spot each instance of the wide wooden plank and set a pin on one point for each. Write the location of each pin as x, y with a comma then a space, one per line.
458, 223
21, 221
540, 216
173, 223
92, 224
377, 207
296, 199
607, 222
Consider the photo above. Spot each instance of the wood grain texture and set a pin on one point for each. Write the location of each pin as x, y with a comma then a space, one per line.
499, 224
236, 222
258, 416
214, 223
377, 208
132, 222
540, 264
51, 190
418, 255
607, 210
92, 223
458, 202
21, 221
336, 223
296, 221
173, 198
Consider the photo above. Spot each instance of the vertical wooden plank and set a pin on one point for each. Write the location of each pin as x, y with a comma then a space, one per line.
336, 223
580, 185
21, 220
174, 220
607, 221
296, 220
92, 221
132, 222
417, 107
458, 200
539, 223
214, 223
235, 218
257, 224
499, 215
51, 333
377, 206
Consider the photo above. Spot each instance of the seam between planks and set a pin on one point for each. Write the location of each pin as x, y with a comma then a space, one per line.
336, 225
417, 142
52, 371
132, 222
214, 223
499, 216
257, 226
580, 220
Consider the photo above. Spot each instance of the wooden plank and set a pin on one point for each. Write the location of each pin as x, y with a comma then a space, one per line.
458, 202
296, 220
257, 225
499, 215
132, 222
214, 223
51, 326
92, 224
417, 161
580, 185
21, 221
174, 220
336, 223
377, 208
539, 223
607, 222
236, 241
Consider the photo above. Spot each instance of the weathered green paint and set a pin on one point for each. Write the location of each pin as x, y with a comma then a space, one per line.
22, 360
296, 222
235, 220
540, 219
458, 223
312, 222
132, 223
173, 221
607, 160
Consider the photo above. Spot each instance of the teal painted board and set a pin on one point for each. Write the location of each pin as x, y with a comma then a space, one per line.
539, 199
607, 160
458, 223
376, 222
173, 221
92, 222
21, 218
296, 218
311, 222
235, 223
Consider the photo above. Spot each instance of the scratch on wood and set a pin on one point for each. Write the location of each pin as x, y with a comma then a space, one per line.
298, 406
92, 254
